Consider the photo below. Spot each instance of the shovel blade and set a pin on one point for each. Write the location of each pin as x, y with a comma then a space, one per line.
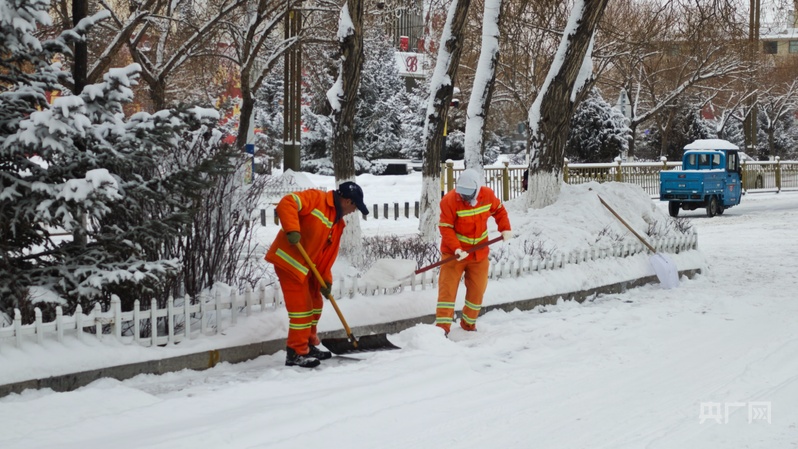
367, 343
666, 270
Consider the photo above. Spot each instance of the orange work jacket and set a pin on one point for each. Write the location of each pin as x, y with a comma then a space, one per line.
313, 214
463, 225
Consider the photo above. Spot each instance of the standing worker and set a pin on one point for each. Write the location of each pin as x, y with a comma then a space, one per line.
464, 224
315, 218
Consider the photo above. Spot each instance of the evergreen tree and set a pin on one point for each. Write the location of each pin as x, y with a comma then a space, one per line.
378, 123
414, 105
733, 132
79, 165
269, 114
784, 137
598, 131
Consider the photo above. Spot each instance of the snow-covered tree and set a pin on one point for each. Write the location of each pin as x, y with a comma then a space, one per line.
550, 114
257, 52
675, 49
484, 80
167, 52
80, 166
683, 124
776, 104
269, 115
440, 96
598, 131
378, 125
343, 100
414, 104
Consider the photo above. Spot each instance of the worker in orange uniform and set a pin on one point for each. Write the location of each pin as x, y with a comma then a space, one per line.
315, 218
464, 224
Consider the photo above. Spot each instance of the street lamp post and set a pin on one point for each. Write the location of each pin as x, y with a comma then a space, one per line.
749, 124
292, 93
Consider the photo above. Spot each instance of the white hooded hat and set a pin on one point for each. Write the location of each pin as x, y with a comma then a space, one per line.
468, 183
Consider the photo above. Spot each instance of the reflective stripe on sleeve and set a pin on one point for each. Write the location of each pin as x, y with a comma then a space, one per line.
298, 201
318, 214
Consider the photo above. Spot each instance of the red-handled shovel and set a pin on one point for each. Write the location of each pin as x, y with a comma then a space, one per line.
390, 273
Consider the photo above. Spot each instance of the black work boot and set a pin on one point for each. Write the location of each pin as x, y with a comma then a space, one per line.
303, 361
318, 353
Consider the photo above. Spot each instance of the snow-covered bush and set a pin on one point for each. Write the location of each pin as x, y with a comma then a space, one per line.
117, 189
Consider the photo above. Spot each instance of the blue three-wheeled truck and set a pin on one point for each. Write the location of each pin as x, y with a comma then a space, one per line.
709, 178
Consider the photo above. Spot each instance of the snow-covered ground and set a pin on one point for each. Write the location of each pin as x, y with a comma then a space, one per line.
713, 363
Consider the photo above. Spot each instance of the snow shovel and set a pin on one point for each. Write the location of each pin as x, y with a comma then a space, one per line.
367, 343
389, 273
663, 265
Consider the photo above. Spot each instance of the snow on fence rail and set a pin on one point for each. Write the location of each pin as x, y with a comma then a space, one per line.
184, 318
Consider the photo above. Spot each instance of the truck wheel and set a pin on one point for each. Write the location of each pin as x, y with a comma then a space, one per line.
721, 209
712, 206
673, 208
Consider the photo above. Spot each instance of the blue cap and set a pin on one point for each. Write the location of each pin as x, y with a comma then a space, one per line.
352, 191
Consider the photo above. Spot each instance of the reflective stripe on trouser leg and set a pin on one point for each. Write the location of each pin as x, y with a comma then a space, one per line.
299, 303
476, 282
317, 302
448, 282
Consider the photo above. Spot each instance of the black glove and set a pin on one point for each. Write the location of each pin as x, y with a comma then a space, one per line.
293, 237
326, 290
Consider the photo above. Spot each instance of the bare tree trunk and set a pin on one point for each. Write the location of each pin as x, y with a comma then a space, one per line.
631, 153
772, 150
80, 71
665, 130
343, 98
343, 155
550, 115
247, 109
484, 82
441, 92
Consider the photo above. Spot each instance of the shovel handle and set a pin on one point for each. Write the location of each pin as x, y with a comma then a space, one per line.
329, 296
451, 258
627, 225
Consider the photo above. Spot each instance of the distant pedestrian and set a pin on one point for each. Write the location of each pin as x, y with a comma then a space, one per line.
315, 218
464, 224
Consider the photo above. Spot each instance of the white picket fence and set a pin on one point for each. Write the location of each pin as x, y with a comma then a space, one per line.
180, 319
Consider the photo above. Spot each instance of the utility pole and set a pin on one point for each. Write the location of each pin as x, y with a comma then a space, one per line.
292, 92
749, 124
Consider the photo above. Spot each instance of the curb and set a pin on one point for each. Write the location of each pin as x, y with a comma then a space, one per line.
235, 354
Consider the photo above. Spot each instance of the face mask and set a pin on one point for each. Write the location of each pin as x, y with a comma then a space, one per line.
468, 198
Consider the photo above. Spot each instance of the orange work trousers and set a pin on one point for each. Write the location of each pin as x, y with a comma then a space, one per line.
304, 304
476, 281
